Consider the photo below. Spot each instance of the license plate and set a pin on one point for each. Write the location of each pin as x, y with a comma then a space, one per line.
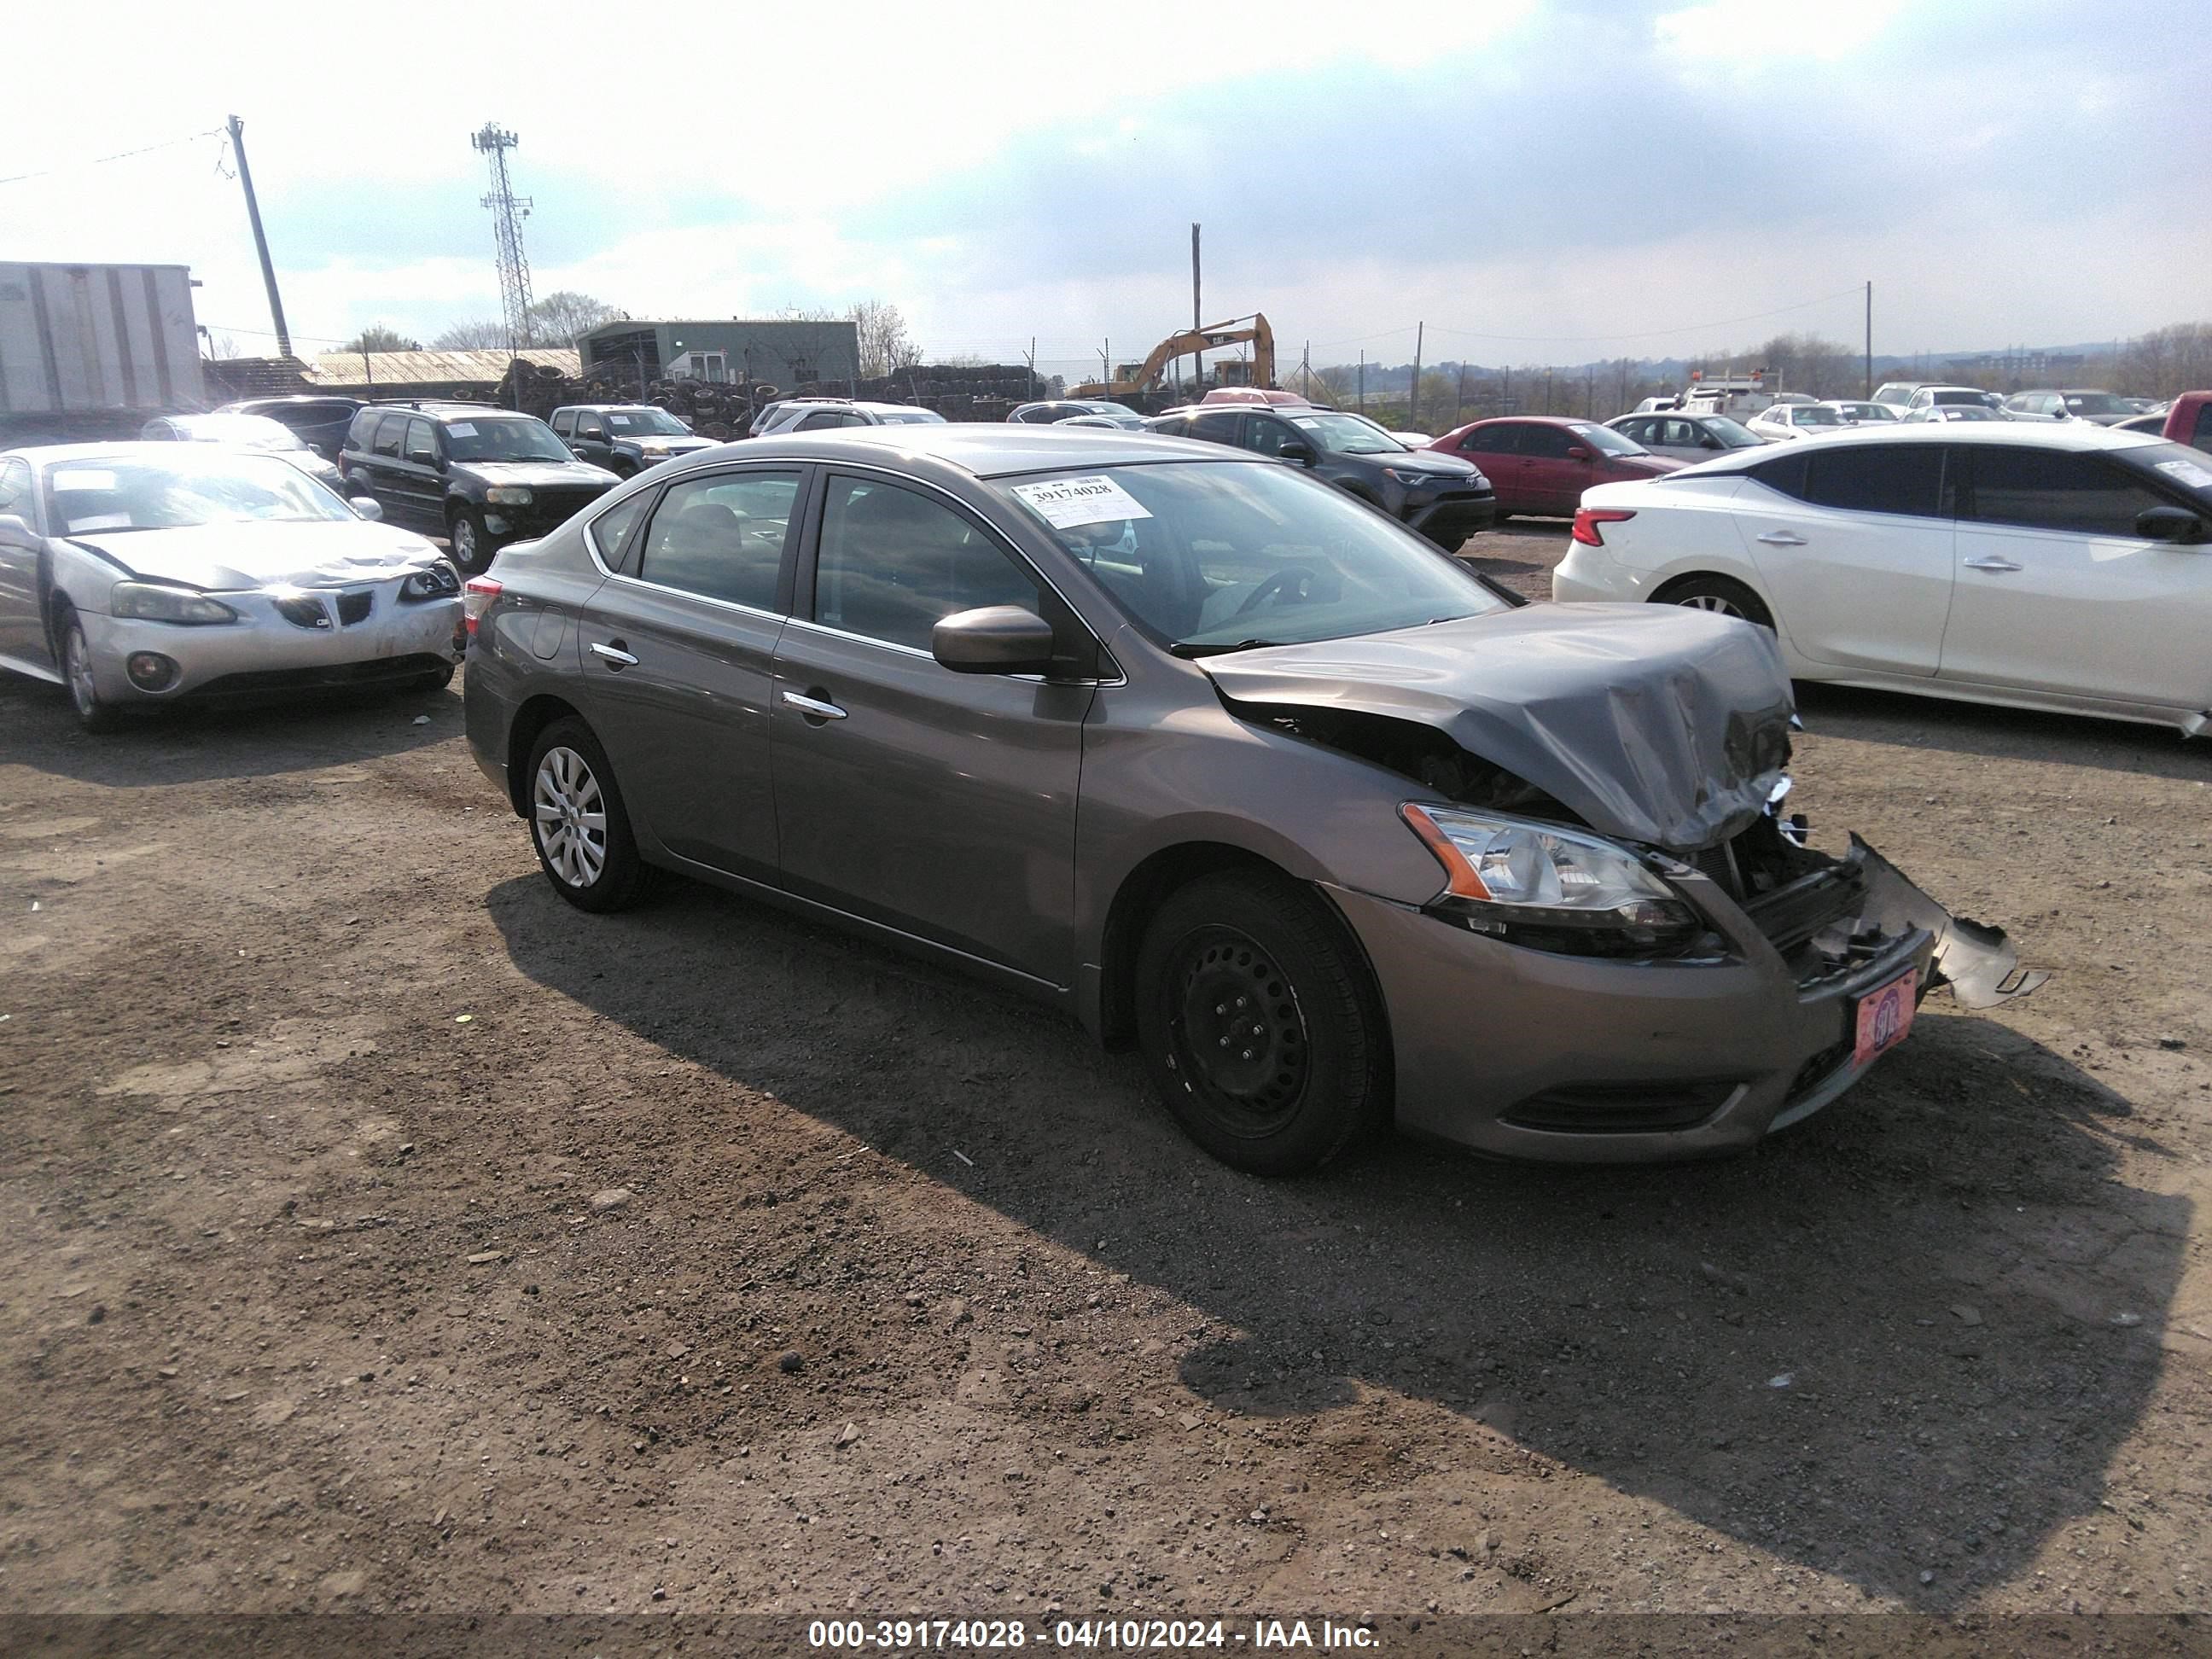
1885, 1015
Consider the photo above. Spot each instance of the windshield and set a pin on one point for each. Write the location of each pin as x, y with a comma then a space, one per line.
1813, 415
912, 417
1344, 435
645, 423
248, 431
1967, 412
504, 438
1207, 557
104, 493
1961, 395
1607, 442
1733, 434
2097, 402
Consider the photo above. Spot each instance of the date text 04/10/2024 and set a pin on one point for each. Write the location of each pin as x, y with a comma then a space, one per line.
906, 1634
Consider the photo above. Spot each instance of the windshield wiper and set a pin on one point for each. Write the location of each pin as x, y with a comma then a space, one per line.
1186, 649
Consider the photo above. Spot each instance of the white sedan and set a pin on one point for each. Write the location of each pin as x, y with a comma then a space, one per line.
1779, 423
2064, 567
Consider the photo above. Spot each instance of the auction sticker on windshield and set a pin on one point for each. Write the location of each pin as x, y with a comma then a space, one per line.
2187, 472
461, 429
1885, 1015
1067, 503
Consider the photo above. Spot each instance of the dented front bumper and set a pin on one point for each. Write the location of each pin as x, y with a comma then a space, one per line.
1522, 1054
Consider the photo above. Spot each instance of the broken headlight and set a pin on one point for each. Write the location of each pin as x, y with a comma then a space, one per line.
1550, 888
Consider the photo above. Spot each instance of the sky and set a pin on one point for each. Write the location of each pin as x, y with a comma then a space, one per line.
1536, 182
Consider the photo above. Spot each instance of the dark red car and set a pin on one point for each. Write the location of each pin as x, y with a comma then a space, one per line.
1541, 464
2189, 421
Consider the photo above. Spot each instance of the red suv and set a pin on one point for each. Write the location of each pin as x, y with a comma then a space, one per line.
1541, 465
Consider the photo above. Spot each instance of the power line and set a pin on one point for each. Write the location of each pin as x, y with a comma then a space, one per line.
119, 156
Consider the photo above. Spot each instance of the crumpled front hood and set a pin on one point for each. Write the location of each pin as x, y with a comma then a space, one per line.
1651, 722
230, 557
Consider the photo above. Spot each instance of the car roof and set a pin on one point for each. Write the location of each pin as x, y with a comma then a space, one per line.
2021, 434
981, 449
133, 449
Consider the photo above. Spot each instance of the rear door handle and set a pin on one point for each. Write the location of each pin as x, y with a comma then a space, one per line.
814, 707
1782, 538
1992, 564
615, 655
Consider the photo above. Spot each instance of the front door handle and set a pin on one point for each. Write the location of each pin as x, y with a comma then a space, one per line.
616, 656
816, 709
1992, 564
1782, 538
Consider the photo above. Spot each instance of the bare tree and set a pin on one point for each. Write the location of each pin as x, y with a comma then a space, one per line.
884, 346
477, 334
378, 338
560, 316
2167, 360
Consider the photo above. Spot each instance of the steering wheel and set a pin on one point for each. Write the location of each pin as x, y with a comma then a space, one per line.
1297, 577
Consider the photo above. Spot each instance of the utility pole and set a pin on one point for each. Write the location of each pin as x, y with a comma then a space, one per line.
508, 211
1459, 397
1413, 393
260, 240
1869, 339
1197, 314
1305, 369
1033, 378
1362, 382
1106, 364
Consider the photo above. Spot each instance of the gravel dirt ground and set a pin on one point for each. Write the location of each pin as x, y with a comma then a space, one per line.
378, 1233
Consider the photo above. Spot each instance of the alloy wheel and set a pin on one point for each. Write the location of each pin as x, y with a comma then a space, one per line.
464, 542
570, 813
78, 663
1239, 1040
1713, 602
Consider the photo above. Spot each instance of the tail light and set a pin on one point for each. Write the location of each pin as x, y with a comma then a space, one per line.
477, 597
1586, 520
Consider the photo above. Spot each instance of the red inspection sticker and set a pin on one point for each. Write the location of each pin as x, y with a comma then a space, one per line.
1885, 1015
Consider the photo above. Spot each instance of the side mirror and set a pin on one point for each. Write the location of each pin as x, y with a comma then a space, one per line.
366, 506
15, 531
1708, 442
1576, 453
1298, 454
2176, 524
996, 638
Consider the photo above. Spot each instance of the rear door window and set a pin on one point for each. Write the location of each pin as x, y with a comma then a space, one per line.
1216, 425
564, 421
1492, 441
1902, 478
389, 435
722, 537
612, 530
2054, 489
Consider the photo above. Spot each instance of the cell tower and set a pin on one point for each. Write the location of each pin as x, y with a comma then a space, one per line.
508, 210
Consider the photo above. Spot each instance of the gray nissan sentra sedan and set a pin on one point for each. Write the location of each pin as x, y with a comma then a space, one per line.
1226, 763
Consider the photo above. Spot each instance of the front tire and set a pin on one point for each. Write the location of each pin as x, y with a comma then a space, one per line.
1722, 594
1259, 1024
578, 822
92, 713
472, 547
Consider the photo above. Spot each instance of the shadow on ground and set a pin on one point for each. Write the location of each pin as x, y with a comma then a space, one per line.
1908, 1337
191, 744
1967, 728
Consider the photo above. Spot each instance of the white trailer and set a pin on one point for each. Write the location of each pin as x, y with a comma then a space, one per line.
83, 349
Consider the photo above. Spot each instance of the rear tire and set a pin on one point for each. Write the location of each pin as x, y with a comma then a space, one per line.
578, 822
1259, 1025
1722, 594
92, 713
432, 679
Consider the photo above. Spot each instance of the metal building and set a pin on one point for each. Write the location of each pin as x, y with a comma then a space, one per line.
790, 355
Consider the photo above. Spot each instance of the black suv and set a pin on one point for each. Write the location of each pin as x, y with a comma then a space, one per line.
624, 438
479, 476
1444, 498
321, 423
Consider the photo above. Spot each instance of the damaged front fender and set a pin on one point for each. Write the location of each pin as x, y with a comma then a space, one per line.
1977, 962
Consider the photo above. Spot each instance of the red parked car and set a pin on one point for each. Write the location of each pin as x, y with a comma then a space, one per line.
1540, 464
2189, 421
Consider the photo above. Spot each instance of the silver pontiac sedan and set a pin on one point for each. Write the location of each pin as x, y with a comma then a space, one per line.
139, 575
1226, 764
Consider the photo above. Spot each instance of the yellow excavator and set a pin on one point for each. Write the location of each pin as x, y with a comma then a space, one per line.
1189, 343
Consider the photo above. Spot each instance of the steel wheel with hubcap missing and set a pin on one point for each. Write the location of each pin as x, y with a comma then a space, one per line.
577, 821
1260, 1023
